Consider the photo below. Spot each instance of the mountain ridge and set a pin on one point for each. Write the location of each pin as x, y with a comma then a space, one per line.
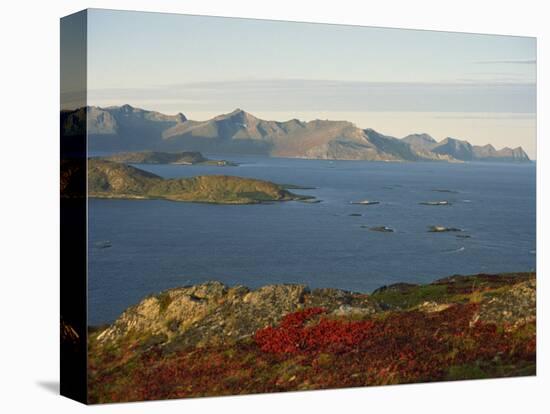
125, 128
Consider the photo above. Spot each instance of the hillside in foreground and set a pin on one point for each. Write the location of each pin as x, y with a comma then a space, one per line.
210, 339
108, 179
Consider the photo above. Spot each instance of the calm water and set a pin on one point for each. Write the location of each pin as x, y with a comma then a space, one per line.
161, 244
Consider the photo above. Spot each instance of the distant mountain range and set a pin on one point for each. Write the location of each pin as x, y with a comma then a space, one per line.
125, 128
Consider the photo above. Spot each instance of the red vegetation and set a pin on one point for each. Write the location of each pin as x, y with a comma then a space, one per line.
293, 336
404, 347
311, 350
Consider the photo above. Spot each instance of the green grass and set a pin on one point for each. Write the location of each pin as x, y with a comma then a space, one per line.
411, 297
255, 196
164, 300
468, 371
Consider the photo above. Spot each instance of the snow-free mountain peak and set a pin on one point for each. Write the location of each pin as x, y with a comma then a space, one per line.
126, 128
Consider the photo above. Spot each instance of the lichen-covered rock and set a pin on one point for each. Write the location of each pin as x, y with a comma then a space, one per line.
354, 311
513, 307
430, 306
167, 312
212, 313
342, 302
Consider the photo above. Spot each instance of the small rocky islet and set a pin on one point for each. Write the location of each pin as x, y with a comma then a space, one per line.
365, 202
381, 229
435, 203
443, 229
212, 339
445, 190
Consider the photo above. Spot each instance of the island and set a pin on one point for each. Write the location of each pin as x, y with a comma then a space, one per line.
442, 229
365, 202
212, 339
382, 229
435, 203
444, 190
109, 179
177, 158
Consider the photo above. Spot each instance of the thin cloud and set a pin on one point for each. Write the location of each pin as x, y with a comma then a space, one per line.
508, 62
330, 95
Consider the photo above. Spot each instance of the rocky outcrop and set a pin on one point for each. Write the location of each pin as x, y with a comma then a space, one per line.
212, 313
514, 307
211, 339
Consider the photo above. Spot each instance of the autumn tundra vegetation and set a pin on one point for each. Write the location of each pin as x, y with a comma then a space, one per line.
211, 339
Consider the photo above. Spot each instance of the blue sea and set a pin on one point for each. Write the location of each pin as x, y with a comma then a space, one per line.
156, 245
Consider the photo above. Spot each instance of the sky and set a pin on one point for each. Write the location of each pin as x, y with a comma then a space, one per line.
477, 87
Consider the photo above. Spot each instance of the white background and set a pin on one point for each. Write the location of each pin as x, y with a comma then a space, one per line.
29, 237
